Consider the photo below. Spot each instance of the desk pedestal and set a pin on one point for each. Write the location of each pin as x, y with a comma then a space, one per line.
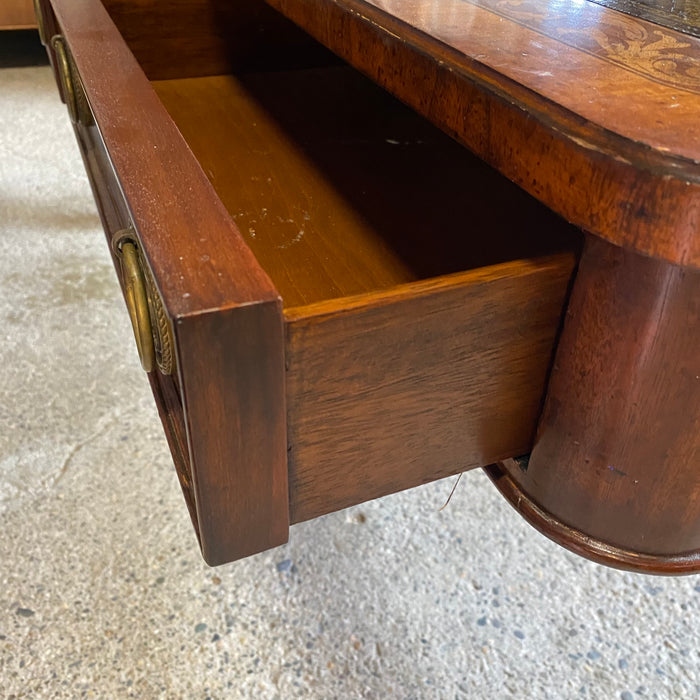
615, 470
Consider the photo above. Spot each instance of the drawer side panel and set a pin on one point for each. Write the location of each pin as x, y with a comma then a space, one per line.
435, 379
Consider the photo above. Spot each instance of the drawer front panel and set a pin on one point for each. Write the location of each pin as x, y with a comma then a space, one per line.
218, 300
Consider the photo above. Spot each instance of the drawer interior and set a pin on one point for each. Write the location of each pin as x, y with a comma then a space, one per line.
421, 290
339, 189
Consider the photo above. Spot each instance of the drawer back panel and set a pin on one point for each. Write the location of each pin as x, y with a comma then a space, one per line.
339, 189
185, 38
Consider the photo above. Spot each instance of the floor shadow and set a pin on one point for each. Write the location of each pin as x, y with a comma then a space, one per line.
20, 48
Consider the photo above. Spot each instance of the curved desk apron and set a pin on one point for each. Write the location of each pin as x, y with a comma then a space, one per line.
596, 112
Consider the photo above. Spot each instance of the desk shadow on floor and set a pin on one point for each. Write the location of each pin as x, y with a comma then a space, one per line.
20, 48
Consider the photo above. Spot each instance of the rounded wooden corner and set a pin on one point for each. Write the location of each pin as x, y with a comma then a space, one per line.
589, 547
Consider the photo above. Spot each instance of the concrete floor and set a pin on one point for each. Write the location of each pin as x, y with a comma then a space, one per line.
103, 593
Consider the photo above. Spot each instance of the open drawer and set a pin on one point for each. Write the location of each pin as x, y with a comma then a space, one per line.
343, 302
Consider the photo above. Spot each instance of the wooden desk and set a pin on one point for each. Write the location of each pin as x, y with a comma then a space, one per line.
589, 110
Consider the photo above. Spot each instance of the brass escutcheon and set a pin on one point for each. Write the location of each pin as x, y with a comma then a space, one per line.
162, 331
59, 46
148, 319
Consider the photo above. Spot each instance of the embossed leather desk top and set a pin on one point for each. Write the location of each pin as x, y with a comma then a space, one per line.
683, 15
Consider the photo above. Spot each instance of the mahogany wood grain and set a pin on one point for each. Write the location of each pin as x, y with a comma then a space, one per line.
337, 186
381, 381
209, 281
168, 194
390, 390
167, 396
182, 38
554, 98
17, 14
115, 216
618, 445
232, 382
579, 542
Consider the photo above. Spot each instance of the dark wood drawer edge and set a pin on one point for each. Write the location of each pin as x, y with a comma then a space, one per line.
221, 303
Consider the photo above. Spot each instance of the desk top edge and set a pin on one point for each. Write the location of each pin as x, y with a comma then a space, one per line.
631, 78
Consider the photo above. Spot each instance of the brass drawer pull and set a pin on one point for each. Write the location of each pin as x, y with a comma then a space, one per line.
137, 304
148, 320
73, 92
59, 46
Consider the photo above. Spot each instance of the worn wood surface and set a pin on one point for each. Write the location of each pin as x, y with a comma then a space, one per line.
391, 390
192, 434
618, 443
591, 111
181, 38
17, 14
172, 203
394, 385
220, 301
339, 189
501, 474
